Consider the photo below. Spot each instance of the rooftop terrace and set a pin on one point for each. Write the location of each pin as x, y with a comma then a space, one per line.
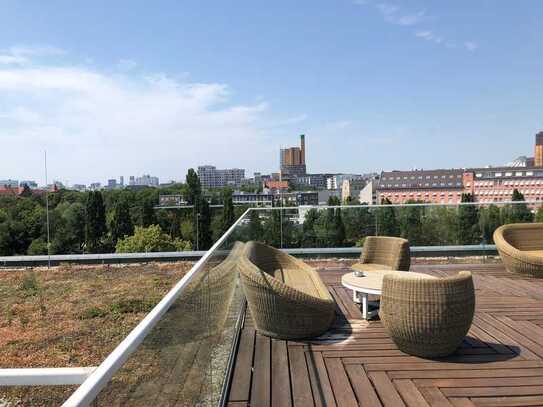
198, 345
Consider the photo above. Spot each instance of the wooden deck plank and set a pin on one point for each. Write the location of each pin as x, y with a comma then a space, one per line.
280, 377
410, 394
302, 395
365, 393
341, 386
240, 388
323, 394
261, 389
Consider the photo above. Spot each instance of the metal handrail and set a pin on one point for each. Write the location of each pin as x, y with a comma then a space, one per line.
88, 391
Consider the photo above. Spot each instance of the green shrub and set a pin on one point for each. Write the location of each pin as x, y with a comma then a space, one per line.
150, 239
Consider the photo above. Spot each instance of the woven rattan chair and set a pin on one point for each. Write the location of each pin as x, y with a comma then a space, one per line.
521, 247
286, 297
427, 316
384, 253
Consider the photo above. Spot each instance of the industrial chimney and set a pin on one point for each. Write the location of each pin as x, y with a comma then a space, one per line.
538, 156
302, 148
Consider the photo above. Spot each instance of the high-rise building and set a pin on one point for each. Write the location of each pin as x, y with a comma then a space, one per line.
211, 177
122, 181
146, 180
538, 156
292, 160
132, 181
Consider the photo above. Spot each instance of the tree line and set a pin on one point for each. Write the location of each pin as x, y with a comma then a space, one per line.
114, 220
421, 225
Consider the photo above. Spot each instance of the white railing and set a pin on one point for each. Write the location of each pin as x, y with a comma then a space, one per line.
56, 376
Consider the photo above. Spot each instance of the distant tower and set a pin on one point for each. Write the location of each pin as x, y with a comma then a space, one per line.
302, 148
538, 156
122, 181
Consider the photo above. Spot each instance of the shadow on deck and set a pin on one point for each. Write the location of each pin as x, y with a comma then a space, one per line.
500, 362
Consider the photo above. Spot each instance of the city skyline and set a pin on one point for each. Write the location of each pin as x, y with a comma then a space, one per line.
178, 99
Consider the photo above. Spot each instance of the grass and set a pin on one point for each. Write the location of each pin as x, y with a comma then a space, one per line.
72, 316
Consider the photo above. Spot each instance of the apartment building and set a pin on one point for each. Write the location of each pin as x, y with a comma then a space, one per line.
211, 177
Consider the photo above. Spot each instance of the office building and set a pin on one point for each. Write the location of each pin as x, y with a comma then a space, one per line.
292, 160
368, 195
436, 186
146, 180
211, 177
497, 184
351, 188
111, 183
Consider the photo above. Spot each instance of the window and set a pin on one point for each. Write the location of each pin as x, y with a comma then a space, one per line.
518, 173
498, 174
529, 173
478, 175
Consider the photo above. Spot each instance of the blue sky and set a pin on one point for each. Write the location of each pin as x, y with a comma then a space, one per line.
134, 87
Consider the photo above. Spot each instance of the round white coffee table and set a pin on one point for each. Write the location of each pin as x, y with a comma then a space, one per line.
370, 284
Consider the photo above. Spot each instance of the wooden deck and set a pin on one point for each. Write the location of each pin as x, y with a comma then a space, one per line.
499, 364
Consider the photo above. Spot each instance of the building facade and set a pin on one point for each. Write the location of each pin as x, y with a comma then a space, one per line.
211, 177
497, 184
435, 186
292, 160
368, 195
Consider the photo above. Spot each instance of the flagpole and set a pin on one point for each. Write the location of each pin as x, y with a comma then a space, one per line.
47, 214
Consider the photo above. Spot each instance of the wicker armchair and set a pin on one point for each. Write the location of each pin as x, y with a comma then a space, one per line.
521, 247
286, 297
427, 316
384, 253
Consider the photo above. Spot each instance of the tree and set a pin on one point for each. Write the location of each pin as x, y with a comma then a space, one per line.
255, 226
148, 217
309, 237
468, 222
194, 188
121, 223
539, 215
95, 222
150, 239
385, 219
517, 213
410, 222
205, 236
489, 221
228, 211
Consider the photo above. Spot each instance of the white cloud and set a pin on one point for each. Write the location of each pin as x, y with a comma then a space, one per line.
97, 125
429, 36
393, 14
23, 54
7, 59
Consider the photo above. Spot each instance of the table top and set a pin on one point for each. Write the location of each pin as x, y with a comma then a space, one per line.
371, 283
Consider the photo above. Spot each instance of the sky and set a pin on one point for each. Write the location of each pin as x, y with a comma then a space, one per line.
134, 87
